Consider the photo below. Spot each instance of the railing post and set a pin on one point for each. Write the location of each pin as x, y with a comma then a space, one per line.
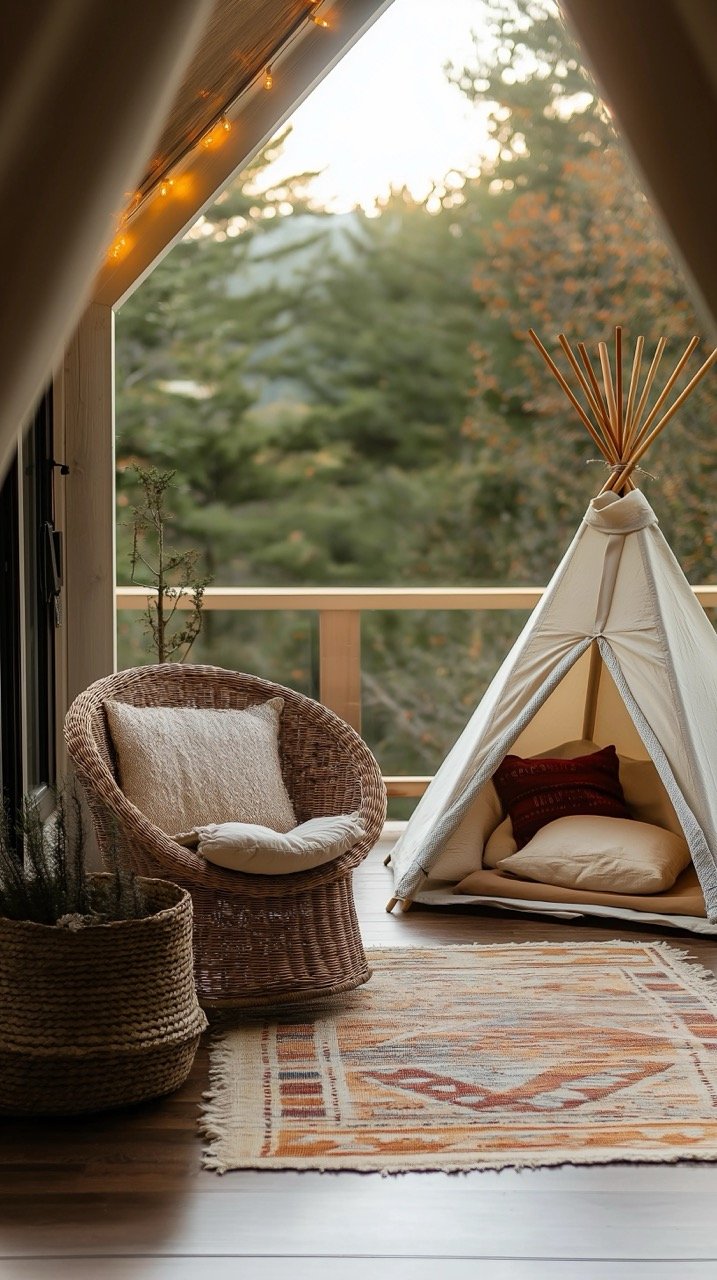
340, 663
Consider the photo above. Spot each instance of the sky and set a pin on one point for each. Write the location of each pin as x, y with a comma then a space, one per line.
386, 114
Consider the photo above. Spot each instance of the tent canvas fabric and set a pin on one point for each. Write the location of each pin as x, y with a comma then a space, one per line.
618, 593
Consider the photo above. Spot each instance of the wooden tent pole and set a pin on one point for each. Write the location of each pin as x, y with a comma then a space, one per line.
575, 403
635, 424
618, 386
611, 483
660, 426
591, 693
609, 389
590, 396
593, 380
618, 430
693, 342
632, 391
614, 481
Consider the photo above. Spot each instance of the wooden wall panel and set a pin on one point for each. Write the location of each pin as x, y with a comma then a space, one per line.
90, 501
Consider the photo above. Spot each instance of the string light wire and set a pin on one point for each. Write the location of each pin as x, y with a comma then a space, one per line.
213, 135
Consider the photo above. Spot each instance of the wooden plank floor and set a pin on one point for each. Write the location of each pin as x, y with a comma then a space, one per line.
123, 1196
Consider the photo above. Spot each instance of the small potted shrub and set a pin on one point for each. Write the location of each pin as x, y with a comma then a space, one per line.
97, 1001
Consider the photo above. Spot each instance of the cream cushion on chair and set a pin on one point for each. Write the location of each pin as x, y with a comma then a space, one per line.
186, 767
614, 855
244, 846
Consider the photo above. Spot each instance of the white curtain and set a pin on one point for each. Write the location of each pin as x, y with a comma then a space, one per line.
657, 65
85, 86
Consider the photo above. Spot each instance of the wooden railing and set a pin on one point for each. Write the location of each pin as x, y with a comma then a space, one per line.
339, 610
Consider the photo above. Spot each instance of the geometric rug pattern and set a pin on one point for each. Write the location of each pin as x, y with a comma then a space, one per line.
477, 1057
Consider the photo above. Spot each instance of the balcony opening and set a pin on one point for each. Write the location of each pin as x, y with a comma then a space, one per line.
334, 364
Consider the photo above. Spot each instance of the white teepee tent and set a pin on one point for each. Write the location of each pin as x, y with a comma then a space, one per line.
618, 651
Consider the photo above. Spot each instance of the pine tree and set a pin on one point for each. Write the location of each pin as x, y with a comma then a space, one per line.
569, 243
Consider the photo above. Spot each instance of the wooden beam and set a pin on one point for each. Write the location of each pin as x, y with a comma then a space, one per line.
350, 598
90, 501
478, 599
340, 664
406, 787
158, 224
591, 695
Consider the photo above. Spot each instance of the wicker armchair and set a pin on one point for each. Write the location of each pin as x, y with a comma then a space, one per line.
257, 939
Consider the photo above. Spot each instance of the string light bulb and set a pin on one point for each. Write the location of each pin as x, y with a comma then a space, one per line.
213, 138
119, 248
215, 135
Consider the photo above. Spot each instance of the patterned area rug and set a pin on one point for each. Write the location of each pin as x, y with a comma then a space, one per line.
478, 1058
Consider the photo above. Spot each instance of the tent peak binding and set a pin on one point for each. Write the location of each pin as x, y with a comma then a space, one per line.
618, 425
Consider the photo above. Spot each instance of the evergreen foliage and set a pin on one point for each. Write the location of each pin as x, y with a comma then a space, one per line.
43, 876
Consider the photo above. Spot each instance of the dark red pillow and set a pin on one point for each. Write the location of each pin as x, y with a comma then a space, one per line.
536, 792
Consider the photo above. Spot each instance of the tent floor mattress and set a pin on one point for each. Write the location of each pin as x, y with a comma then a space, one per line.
681, 907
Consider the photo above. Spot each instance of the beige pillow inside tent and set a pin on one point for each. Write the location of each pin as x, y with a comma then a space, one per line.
608, 855
685, 898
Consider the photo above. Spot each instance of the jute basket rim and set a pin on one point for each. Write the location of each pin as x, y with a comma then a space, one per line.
182, 897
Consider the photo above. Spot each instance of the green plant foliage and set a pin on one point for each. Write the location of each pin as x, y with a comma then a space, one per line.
171, 573
43, 876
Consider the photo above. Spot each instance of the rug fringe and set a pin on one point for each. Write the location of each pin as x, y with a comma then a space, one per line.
606, 944
216, 1111
686, 966
549, 1160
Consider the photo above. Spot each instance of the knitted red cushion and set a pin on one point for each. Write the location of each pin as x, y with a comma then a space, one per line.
536, 792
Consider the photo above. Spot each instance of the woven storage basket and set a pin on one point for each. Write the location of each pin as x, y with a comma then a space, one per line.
100, 1017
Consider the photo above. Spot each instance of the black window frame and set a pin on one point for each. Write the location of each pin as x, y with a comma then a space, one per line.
11, 755
41, 602
30, 556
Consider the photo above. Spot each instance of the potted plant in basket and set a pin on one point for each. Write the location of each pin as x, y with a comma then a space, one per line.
97, 1001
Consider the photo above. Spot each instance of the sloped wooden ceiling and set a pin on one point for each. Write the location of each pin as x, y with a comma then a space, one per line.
239, 42
301, 40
